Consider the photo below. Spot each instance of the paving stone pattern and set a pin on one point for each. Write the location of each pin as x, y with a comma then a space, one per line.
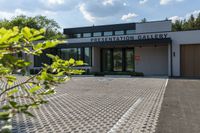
98, 105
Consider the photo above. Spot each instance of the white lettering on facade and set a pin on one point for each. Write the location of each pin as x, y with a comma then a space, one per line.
130, 37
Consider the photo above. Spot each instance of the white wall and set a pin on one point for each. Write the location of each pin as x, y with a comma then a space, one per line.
159, 26
95, 59
153, 60
182, 38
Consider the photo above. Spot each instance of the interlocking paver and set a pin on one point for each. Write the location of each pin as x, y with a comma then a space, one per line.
98, 105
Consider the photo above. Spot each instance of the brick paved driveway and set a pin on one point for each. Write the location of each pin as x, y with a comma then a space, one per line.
98, 105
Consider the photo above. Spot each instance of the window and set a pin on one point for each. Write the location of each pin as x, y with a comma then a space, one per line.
77, 35
128, 32
119, 32
86, 34
77, 54
66, 54
108, 33
42, 59
87, 56
96, 34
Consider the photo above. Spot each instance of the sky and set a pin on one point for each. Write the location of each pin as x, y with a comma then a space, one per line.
77, 13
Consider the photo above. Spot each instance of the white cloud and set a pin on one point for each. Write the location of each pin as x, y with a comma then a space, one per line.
143, 1
194, 13
174, 18
108, 2
128, 16
17, 12
86, 14
165, 2
124, 4
54, 2
187, 16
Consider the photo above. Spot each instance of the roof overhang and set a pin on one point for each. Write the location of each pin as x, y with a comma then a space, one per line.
127, 43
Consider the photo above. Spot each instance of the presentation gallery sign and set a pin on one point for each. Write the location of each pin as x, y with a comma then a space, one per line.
130, 37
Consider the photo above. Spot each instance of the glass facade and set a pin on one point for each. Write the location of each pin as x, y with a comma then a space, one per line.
77, 35
118, 60
42, 59
121, 32
129, 59
96, 34
128, 32
108, 33
84, 54
107, 58
87, 34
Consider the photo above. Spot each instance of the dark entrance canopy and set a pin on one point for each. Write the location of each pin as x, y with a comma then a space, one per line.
128, 43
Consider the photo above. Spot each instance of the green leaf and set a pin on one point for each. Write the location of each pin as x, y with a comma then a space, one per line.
28, 113
27, 33
6, 107
4, 115
71, 61
37, 38
48, 92
13, 103
10, 93
34, 89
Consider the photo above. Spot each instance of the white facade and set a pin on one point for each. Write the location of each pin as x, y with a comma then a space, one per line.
154, 59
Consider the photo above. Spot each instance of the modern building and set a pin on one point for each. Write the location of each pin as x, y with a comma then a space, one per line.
150, 47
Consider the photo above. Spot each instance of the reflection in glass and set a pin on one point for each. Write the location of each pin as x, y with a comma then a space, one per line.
129, 60
87, 56
86, 34
128, 32
66, 54
117, 60
106, 60
108, 33
121, 32
96, 34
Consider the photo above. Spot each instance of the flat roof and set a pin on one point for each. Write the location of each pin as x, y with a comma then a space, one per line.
109, 27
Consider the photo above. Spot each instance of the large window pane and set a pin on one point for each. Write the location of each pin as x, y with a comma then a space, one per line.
119, 32
106, 55
41, 59
66, 54
128, 32
86, 34
129, 60
83, 54
96, 34
87, 58
77, 35
108, 33
117, 59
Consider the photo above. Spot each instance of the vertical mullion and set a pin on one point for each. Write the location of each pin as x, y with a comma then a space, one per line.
123, 59
112, 61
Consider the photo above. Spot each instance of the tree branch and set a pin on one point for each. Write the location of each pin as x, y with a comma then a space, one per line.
27, 81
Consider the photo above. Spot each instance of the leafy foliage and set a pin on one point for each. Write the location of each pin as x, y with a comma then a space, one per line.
20, 96
191, 24
51, 26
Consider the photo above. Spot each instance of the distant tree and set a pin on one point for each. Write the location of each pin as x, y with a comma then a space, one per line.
198, 21
177, 26
51, 26
190, 24
144, 20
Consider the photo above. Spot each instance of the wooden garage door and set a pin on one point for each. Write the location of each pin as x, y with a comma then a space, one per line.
190, 60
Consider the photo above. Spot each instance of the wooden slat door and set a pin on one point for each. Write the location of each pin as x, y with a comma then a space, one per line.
190, 60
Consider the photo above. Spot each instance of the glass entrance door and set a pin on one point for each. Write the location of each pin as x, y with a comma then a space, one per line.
106, 60
117, 60
129, 59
